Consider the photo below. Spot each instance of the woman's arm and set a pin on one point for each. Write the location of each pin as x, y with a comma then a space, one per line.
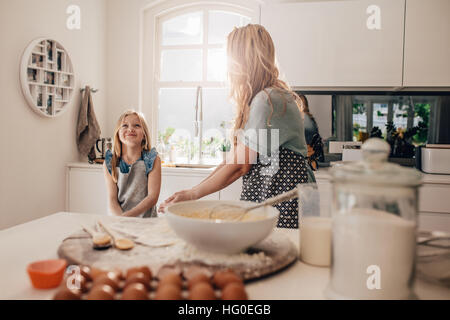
153, 186
239, 162
111, 188
237, 166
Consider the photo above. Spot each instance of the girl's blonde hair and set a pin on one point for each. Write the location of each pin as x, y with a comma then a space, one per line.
117, 147
251, 69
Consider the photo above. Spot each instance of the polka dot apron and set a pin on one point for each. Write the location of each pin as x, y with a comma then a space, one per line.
272, 176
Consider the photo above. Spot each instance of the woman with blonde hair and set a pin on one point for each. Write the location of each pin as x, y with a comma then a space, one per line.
268, 129
132, 169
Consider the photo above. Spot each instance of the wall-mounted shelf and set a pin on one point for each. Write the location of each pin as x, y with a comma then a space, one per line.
47, 77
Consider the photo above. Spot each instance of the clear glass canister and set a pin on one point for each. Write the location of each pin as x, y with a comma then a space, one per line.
374, 227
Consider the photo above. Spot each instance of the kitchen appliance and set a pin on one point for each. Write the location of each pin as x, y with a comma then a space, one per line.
351, 152
435, 158
105, 144
374, 227
338, 146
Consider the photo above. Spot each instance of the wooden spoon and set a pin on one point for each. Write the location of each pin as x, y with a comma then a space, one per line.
119, 243
99, 240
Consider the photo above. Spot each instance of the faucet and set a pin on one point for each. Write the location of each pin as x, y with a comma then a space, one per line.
198, 121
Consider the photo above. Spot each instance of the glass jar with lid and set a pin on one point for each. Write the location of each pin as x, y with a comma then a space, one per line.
374, 227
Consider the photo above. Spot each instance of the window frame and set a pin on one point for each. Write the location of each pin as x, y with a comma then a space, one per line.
149, 104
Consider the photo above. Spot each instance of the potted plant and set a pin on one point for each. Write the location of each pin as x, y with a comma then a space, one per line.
224, 148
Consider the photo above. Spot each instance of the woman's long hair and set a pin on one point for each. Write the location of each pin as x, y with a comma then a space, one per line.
117, 149
251, 69
304, 107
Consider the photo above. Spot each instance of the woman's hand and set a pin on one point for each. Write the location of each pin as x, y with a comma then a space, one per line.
184, 195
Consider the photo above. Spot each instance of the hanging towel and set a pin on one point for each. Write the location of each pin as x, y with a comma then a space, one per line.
88, 129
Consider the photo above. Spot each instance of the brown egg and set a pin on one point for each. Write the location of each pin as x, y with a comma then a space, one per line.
168, 291
119, 273
110, 278
101, 292
143, 269
95, 272
135, 291
202, 291
138, 277
85, 271
222, 278
172, 278
201, 277
65, 294
234, 291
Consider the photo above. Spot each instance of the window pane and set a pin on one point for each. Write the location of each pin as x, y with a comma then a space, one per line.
380, 112
181, 65
217, 65
177, 113
176, 109
184, 29
401, 115
221, 23
359, 119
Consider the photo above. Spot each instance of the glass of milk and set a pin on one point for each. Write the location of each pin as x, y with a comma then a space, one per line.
374, 227
314, 228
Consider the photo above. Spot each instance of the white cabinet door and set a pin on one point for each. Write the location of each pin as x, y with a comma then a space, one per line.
329, 43
233, 191
87, 191
171, 183
427, 43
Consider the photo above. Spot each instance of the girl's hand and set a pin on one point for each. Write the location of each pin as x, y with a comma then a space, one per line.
184, 195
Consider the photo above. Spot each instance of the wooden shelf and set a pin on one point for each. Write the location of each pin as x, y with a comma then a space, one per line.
50, 70
41, 96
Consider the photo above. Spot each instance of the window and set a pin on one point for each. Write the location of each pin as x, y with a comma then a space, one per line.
405, 112
191, 53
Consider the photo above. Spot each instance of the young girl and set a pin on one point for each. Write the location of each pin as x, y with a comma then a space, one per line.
132, 170
264, 102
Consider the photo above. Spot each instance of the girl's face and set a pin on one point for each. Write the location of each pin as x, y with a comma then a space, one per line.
131, 132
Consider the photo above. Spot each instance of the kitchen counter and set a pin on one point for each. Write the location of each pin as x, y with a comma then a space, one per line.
39, 239
427, 178
322, 173
96, 166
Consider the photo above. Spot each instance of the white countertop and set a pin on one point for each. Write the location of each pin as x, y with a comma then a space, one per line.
39, 240
178, 170
322, 173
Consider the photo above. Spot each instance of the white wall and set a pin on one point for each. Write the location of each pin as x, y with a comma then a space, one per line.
123, 47
123, 18
34, 149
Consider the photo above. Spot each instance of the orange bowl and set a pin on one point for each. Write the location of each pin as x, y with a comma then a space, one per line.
46, 274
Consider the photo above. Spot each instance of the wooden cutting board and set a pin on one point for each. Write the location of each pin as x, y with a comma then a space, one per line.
161, 249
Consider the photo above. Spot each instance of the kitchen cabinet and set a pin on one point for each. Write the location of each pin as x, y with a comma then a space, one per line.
334, 43
427, 43
233, 191
86, 188
177, 179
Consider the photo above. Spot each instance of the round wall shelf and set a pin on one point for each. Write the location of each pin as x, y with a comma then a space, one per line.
47, 77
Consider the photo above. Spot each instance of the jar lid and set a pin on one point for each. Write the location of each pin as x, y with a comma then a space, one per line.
374, 169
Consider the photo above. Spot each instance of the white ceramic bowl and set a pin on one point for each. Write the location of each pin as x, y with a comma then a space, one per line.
220, 236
